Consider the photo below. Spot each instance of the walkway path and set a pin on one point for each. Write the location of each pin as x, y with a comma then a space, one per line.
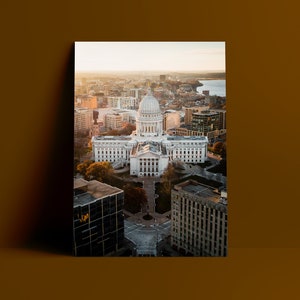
149, 187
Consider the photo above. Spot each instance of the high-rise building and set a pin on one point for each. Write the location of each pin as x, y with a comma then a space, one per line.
86, 101
189, 113
136, 93
222, 118
83, 119
199, 219
171, 119
205, 121
113, 121
122, 102
98, 221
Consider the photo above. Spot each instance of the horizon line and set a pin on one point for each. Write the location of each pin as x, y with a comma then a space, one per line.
170, 71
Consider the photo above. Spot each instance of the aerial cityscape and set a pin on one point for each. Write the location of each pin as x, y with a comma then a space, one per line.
150, 173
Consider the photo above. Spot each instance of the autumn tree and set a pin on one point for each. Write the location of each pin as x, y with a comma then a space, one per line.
127, 129
134, 198
220, 148
82, 167
168, 176
101, 171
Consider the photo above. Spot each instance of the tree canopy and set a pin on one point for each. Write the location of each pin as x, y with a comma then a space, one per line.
82, 167
100, 171
134, 198
125, 130
168, 176
220, 148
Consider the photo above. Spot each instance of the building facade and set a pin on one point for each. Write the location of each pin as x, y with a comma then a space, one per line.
149, 149
83, 119
171, 120
113, 121
188, 113
123, 102
205, 121
86, 101
199, 219
98, 221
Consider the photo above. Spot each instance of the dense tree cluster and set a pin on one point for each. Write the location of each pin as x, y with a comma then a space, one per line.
125, 130
101, 171
220, 148
134, 198
163, 203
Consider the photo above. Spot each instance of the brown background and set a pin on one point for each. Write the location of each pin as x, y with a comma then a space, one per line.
262, 65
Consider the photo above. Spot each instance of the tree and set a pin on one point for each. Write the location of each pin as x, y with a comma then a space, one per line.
134, 198
220, 148
127, 129
168, 176
101, 171
82, 167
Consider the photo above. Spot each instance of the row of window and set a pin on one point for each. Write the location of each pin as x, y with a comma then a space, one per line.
201, 248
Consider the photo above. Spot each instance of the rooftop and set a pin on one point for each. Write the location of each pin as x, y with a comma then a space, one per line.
113, 138
80, 183
178, 137
206, 113
200, 190
95, 190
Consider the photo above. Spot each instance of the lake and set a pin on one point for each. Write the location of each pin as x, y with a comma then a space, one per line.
215, 87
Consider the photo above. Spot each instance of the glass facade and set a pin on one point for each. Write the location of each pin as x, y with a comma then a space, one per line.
98, 226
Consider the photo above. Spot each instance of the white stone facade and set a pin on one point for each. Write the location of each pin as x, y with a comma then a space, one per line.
148, 150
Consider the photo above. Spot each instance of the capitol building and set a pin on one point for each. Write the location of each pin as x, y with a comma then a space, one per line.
148, 150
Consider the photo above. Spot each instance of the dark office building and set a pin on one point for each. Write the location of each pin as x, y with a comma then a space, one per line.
205, 121
98, 221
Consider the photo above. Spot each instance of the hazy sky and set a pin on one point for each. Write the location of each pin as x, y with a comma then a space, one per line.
149, 56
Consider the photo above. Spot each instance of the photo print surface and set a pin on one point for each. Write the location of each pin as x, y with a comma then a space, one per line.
150, 175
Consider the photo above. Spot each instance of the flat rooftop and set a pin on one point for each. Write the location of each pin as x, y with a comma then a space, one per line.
188, 138
80, 183
198, 189
95, 190
113, 138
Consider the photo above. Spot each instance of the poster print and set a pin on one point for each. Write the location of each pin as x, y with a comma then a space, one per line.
150, 149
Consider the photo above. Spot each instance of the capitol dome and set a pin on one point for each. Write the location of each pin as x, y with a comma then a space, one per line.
149, 104
149, 121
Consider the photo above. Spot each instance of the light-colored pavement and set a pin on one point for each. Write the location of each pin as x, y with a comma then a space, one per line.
138, 218
146, 238
146, 234
149, 187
